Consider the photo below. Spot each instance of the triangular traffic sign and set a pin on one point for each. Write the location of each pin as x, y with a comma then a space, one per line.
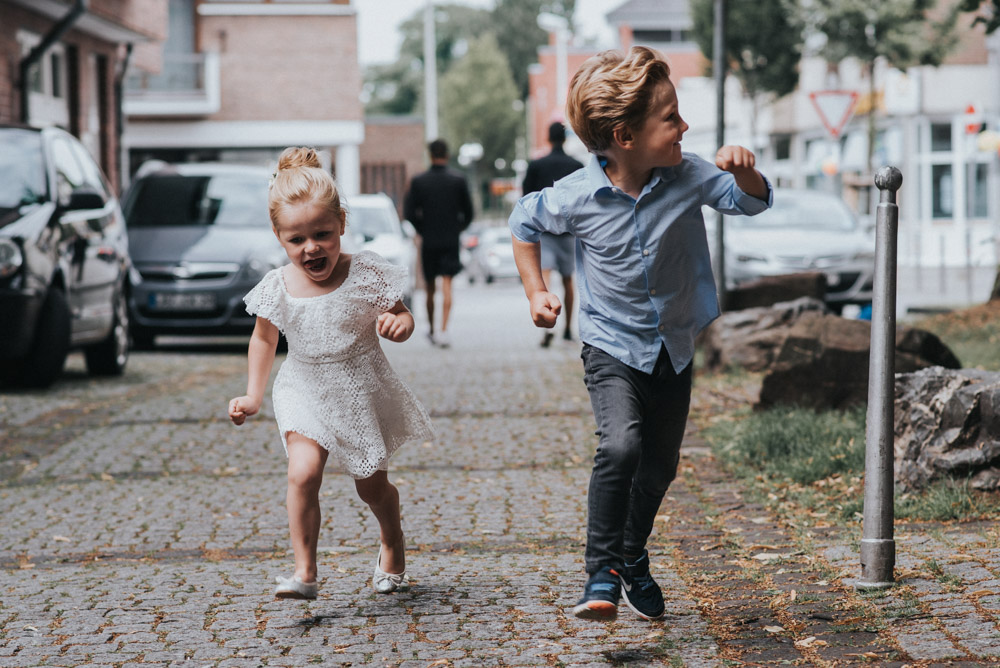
834, 107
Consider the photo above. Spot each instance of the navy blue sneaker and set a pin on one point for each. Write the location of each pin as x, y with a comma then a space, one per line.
600, 596
640, 590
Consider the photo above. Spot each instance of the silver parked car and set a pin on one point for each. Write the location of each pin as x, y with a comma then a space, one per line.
490, 254
805, 231
373, 224
200, 238
64, 261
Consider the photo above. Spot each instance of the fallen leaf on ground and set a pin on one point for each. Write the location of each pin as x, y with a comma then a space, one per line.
774, 629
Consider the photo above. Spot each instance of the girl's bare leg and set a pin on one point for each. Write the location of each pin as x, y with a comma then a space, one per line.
306, 459
383, 498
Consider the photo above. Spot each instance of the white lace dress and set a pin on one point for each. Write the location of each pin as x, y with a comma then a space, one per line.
336, 386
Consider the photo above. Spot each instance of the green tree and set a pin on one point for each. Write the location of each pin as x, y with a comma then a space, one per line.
477, 104
763, 45
397, 88
515, 24
902, 32
988, 12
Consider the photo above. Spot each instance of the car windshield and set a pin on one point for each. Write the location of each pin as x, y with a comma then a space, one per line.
809, 210
371, 221
170, 200
22, 171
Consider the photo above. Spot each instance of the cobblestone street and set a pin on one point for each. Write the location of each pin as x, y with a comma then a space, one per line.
139, 527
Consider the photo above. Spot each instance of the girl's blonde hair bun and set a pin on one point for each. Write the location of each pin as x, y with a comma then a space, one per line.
301, 179
298, 156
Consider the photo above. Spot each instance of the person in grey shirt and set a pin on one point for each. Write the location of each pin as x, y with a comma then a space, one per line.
558, 250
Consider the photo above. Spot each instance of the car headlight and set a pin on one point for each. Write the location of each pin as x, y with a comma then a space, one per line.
11, 258
257, 267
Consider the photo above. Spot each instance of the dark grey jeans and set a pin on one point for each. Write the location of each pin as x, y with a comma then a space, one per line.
640, 422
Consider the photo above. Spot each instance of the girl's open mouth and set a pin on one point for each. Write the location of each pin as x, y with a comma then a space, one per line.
317, 264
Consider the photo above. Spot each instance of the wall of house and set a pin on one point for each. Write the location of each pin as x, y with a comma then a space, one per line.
86, 104
393, 152
311, 60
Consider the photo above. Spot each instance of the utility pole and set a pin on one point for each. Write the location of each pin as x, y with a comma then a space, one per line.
430, 74
719, 75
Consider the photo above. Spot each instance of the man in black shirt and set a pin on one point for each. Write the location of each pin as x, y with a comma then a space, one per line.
558, 251
439, 205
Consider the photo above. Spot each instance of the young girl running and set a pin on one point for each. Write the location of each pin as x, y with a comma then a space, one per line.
335, 392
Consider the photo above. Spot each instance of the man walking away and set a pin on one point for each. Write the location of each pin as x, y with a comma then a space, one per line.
558, 250
439, 205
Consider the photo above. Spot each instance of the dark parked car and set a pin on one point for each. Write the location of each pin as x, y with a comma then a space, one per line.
200, 238
64, 263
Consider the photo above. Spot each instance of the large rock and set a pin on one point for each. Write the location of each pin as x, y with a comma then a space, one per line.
769, 290
823, 361
947, 425
751, 338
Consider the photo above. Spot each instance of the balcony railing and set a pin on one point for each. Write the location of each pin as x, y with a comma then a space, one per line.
188, 85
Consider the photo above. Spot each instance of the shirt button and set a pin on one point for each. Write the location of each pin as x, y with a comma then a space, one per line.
660, 328
653, 291
645, 251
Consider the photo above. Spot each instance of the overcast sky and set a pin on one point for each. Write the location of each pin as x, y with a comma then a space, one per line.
378, 21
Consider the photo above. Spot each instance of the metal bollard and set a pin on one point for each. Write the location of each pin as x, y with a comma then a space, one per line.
878, 548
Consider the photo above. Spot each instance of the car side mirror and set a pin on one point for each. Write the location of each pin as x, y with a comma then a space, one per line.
408, 229
84, 198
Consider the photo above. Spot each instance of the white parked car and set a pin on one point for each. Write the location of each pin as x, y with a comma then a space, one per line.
805, 231
373, 224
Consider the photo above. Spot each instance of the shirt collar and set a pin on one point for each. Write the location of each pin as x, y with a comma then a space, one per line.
597, 180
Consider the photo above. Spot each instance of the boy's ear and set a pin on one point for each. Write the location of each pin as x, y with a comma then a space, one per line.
623, 136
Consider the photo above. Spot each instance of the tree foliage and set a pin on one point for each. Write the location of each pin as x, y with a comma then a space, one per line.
763, 43
987, 12
515, 24
396, 88
477, 95
902, 32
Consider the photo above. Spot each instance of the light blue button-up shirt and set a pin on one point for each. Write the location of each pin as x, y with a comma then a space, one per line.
645, 273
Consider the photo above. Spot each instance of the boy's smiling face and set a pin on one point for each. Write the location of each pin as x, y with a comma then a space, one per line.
657, 143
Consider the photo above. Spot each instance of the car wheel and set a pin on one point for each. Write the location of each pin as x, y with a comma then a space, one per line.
47, 357
108, 358
142, 338
489, 278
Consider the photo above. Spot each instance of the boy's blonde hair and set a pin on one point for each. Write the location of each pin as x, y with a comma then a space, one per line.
613, 90
300, 178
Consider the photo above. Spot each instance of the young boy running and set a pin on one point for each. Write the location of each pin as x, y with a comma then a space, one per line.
646, 290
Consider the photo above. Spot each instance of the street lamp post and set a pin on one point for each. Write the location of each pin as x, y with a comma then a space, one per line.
430, 74
559, 26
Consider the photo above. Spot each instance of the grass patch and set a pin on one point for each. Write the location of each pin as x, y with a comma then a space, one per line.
973, 334
947, 500
810, 465
797, 445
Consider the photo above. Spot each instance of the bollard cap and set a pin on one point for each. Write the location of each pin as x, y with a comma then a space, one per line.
888, 178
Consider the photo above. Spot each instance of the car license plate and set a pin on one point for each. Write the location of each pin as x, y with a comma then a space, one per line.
182, 301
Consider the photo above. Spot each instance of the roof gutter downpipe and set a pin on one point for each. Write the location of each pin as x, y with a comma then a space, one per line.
53, 36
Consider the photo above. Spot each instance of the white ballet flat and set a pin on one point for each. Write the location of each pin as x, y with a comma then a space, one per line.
294, 587
386, 583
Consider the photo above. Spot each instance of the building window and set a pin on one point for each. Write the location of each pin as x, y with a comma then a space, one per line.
783, 148
56, 70
940, 136
977, 202
942, 192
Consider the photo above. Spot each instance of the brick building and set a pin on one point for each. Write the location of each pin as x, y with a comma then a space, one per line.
68, 56
243, 80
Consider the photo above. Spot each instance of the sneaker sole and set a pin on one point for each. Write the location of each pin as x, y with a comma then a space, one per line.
601, 611
294, 595
636, 611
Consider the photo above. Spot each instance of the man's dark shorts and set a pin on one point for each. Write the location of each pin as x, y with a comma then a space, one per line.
440, 262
